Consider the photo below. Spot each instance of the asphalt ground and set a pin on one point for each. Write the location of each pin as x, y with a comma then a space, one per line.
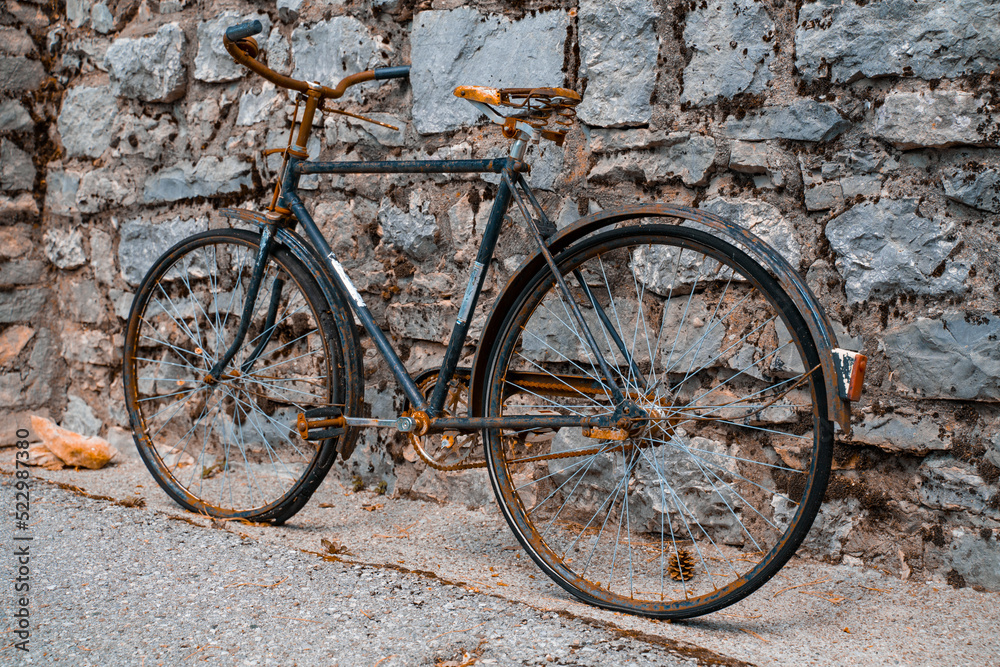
413, 583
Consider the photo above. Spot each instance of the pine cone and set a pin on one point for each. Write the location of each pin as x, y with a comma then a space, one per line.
680, 565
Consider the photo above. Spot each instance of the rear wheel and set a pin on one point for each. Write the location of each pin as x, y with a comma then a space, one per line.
229, 448
704, 500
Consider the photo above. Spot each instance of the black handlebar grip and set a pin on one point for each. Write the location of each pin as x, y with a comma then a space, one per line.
241, 30
383, 73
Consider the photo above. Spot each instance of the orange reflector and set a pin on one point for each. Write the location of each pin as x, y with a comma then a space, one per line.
851, 367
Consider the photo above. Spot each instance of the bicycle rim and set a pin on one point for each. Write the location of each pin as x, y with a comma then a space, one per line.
702, 503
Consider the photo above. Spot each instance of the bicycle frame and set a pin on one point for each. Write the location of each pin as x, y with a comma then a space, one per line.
297, 167
511, 180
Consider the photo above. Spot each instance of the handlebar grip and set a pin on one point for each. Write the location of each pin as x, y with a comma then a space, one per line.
383, 73
241, 30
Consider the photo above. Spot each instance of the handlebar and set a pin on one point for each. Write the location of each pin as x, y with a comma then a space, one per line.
382, 73
243, 30
239, 42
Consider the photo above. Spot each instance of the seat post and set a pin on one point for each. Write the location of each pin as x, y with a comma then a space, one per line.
518, 148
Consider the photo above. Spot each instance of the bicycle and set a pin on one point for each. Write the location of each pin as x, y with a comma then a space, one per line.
654, 390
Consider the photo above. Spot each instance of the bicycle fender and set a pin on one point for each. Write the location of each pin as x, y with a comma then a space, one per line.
779, 268
353, 368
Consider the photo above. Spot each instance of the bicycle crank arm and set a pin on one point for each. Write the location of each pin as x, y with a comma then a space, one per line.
324, 423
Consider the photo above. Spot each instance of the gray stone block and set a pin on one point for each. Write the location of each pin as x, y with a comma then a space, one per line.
603, 141
21, 272
150, 69
949, 484
330, 50
101, 18
104, 188
277, 51
259, 107
102, 259
23, 205
80, 301
143, 242
864, 185
211, 176
546, 165
902, 433
15, 42
974, 557
422, 321
993, 450
80, 418
20, 74
955, 357
463, 47
730, 54
14, 117
213, 63
88, 346
682, 155
618, 51
935, 119
21, 305
764, 220
86, 120
17, 172
925, 38
749, 157
64, 248
411, 231
823, 196
78, 12
802, 120
979, 189
886, 248
61, 190
382, 135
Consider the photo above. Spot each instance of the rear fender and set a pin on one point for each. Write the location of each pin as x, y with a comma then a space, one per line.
789, 279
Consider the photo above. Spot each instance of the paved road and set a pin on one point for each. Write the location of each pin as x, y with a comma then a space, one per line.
124, 586
411, 572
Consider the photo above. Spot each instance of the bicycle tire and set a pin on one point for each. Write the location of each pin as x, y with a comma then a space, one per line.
705, 502
183, 318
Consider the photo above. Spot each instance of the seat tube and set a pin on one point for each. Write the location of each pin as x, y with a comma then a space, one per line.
472, 291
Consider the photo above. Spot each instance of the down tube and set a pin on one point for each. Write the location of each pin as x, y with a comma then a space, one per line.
345, 285
472, 291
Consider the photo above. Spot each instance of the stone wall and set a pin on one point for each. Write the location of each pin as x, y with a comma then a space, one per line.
865, 134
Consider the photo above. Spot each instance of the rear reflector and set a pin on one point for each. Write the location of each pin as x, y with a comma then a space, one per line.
851, 368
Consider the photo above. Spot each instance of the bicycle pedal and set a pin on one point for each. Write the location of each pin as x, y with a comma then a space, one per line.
321, 423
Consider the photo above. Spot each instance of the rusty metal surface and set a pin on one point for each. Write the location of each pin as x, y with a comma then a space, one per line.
350, 361
402, 167
789, 279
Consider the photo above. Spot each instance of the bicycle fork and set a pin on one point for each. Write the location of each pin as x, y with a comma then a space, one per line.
249, 305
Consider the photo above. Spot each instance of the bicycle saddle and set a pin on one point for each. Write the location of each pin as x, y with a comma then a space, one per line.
535, 106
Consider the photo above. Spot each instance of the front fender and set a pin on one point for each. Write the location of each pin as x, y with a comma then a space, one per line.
351, 361
789, 279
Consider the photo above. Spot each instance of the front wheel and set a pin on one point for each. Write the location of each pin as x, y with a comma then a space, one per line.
707, 496
227, 446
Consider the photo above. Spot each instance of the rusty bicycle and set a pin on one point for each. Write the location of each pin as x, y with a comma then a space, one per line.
653, 393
